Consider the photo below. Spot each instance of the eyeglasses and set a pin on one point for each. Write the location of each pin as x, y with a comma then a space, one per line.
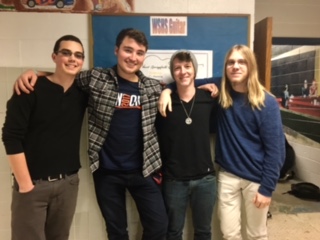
240, 62
68, 53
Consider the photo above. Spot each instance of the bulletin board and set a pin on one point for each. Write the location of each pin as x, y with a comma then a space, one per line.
204, 32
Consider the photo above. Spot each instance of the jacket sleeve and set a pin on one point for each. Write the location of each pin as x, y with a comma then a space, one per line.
83, 80
214, 80
272, 136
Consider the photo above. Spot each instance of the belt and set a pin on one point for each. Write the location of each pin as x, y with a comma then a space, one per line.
56, 177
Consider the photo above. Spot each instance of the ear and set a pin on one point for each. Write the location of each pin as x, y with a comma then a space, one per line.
53, 56
116, 50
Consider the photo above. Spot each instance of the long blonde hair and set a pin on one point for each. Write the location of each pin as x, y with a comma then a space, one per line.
256, 92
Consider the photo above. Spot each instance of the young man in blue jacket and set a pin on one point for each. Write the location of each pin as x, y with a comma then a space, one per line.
250, 146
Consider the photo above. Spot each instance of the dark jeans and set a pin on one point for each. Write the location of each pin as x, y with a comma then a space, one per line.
46, 212
201, 195
111, 197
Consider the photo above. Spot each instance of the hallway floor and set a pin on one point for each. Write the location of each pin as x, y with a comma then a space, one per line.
293, 218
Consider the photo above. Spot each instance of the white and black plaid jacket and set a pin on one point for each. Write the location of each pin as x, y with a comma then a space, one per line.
102, 86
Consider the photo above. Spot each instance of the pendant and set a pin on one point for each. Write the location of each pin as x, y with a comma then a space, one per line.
188, 121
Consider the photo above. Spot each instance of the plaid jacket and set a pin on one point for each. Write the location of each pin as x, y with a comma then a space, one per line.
102, 86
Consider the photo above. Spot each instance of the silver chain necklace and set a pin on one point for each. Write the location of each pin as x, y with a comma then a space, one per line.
188, 120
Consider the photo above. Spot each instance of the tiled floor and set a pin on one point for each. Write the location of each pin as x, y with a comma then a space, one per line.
293, 218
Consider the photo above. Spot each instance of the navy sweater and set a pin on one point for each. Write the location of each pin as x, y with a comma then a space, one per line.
250, 143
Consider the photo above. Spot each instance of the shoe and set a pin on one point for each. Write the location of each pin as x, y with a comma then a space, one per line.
287, 177
269, 215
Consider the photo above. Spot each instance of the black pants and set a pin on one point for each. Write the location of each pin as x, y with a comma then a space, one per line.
111, 196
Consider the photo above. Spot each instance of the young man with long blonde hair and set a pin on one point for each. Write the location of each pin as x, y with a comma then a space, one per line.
249, 147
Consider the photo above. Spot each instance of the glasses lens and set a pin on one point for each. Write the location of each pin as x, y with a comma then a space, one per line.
79, 55
230, 62
68, 53
240, 62
65, 53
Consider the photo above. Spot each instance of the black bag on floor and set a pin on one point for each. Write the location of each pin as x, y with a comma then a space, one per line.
305, 190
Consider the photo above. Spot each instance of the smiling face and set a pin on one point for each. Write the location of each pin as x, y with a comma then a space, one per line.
69, 58
237, 71
183, 73
130, 56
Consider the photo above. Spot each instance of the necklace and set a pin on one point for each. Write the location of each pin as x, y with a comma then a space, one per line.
188, 120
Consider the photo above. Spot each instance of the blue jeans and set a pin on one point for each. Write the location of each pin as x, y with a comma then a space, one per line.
201, 194
111, 196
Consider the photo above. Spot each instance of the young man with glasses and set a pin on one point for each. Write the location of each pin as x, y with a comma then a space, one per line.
123, 142
250, 146
41, 135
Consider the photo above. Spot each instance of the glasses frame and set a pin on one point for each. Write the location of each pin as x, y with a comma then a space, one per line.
241, 63
68, 53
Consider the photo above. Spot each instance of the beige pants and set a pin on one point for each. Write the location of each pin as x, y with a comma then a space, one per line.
233, 192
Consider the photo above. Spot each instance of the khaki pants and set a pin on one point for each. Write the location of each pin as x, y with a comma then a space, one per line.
233, 192
46, 212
